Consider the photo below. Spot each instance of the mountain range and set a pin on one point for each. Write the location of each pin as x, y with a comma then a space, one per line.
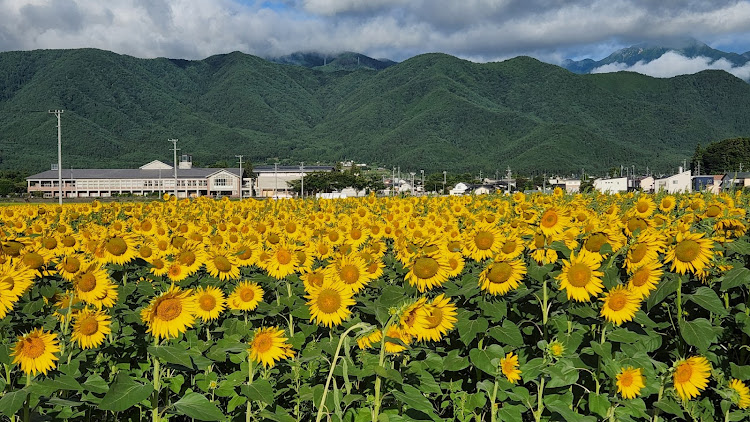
434, 112
648, 52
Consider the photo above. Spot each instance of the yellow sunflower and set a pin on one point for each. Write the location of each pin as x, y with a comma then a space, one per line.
630, 382
620, 305
645, 278
314, 279
350, 270
580, 277
439, 317
210, 303
690, 253
502, 276
16, 278
282, 261
329, 304
69, 266
245, 296
269, 345
90, 328
35, 351
509, 366
91, 283
222, 264
741, 393
119, 248
644, 207
553, 221
170, 314
556, 349
691, 376
428, 270
482, 241
667, 204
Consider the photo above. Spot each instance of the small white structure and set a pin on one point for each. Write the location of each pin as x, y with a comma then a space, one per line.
680, 182
482, 190
272, 180
646, 184
615, 185
459, 189
569, 185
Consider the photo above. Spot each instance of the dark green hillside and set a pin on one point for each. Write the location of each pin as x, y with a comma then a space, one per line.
433, 111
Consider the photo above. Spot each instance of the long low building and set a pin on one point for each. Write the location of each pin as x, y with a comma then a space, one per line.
153, 178
272, 181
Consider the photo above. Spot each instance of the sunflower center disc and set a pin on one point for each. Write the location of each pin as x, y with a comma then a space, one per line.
316, 279
640, 277
434, 318
509, 246
247, 294
617, 301
329, 301
595, 242
484, 240
222, 264
549, 219
86, 282
89, 326
713, 211
116, 246
626, 380
10, 282
33, 347
262, 343
72, 265
349, 274
500, 272
33, 260
579, 275
145, 251
642, 207
50, 243
69, 241
637, 252
207, 302
187, 258
426, 267
169, 309
683, 373
687, 250
284, 256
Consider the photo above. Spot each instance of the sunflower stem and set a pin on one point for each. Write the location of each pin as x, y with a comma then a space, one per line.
539, 403
545, 308
378, 380
679, 300
250, 375
291, 318
661, 393
493, 397
157, 385
333, 367
26, 410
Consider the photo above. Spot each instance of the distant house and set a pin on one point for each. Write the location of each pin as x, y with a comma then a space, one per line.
567, 185
153, 178
645, 184
680, 182
735, 180
614, 185
707, 183
272, 181
459, 189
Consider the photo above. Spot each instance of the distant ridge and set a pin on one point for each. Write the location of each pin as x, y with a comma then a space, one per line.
647, 52
433, 112
333, 62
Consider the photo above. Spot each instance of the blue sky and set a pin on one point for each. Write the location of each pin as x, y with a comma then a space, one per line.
478, 30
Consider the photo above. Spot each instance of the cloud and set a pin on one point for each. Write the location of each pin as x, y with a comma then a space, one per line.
482, 30
673, 64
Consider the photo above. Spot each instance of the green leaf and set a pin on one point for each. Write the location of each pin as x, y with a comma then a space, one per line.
531, 369
698, 332
12, 402
495, 311
416, 400
739, 246
469, 328
670, 407
663, 289
599, 404
707, 299
482, 361
561, 374
4, 354
508, 334
556, 404
172, 354
510, 413
538, 272
197, 406
623, 335
96, 384
742, 373
737, 276
125, 393
64, 382
259, 390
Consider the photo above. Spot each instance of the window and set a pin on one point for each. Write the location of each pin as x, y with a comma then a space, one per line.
221, 182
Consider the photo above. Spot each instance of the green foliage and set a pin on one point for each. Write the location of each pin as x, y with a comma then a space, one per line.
433, 111
724, 156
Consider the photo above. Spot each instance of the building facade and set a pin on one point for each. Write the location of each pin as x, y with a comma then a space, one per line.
154, 178
271, 181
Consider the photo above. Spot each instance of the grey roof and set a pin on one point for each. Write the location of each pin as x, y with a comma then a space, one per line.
67, 174
291, 169
737, 175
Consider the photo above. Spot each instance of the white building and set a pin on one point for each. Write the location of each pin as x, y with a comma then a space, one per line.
272, 180
568, 185
459, 189
615, 185
680, 182
153, 178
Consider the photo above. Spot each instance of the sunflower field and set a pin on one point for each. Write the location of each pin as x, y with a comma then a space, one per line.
485, 308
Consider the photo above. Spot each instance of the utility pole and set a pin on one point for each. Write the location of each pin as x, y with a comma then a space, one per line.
412, 183
302, 181
275, 178
59, 152
423, 190
174, 149
393, 182
444, 174
509, 174
241, 178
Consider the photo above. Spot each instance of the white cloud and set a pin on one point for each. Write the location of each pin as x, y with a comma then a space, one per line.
673, 64
482, 30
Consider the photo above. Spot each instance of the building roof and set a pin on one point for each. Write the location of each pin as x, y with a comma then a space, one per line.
290, 169
68, 174
737, 175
